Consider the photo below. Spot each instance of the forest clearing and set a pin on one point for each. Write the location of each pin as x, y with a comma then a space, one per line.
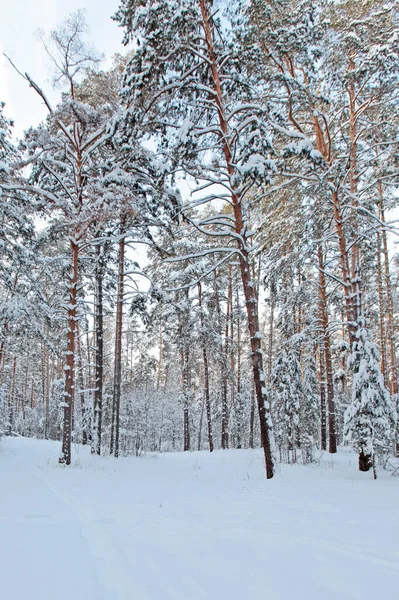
193, 525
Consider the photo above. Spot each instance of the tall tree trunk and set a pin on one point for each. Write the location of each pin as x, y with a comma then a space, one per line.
252, 419
388, 291
160, 358
240, 407
82, 390
332, 436
350, 298
381, 313
185, 386
322, 382
393, 379
118, 341
271, 331
225, 408
25, 390
202, 412
223, 363
11, 398
243, 239
99, 353
69, 394
183, 323
206, 371
5, 326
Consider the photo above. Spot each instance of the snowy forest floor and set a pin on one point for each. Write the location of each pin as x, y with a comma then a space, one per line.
193, 526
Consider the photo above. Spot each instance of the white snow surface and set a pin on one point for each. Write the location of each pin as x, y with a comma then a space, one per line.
193, 526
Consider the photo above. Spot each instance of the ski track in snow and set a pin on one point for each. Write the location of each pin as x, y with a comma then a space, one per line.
193, 526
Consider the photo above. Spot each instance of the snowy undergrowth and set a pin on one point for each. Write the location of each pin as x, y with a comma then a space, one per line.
193, 526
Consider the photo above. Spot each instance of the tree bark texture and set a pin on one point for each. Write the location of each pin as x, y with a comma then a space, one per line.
69, 394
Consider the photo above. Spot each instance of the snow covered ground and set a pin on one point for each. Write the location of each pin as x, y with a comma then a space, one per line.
193, 526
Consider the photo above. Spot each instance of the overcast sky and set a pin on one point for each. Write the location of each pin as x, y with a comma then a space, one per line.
20, 20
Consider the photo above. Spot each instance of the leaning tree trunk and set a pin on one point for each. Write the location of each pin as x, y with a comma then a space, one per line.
69, 394
243, 241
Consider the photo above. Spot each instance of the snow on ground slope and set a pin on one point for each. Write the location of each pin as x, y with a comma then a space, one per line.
193, 526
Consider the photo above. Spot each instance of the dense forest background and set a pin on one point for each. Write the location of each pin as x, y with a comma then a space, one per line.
197, 246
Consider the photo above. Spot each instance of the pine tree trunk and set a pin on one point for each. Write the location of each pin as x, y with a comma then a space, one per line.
271, 331
389, 308
186, 414
185, 385
245, 265
99, 354
206, 371
90, 384
118, 341
11, 398
350, 299
231, 344
81, 391
69, 395
393, 379
25, 391
381, 313
252, 419
225, 409
322, 381
159, 375
223, 365
201, 415
332, 436
43, 376
5, 327
240, 407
